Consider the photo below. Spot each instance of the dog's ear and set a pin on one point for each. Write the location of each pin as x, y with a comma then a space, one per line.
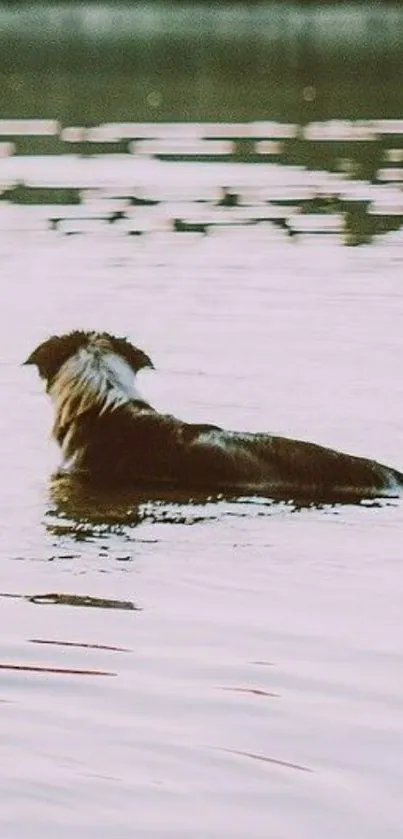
52, 354
137, 359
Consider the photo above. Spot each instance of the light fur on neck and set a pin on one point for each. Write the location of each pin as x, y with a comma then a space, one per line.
91, 379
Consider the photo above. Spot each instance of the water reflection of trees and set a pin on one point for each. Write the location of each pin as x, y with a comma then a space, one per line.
218, 62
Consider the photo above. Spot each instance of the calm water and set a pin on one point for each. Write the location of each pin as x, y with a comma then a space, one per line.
259, 682
202, 670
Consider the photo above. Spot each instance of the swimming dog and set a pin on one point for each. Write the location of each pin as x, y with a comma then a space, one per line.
109, 435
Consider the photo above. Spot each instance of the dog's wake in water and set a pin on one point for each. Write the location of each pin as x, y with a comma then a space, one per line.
111, 437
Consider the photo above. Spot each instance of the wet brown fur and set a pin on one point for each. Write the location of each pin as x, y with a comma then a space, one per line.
127, 442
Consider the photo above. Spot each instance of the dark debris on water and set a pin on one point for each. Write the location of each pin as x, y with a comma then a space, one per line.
61, 599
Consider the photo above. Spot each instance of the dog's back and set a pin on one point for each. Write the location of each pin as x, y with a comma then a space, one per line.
137, 445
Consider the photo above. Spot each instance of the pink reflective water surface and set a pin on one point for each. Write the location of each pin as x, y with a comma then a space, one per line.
256, 691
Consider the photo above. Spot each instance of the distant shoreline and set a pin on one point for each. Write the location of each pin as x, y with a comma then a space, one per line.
301, 5
331, 21
84, 63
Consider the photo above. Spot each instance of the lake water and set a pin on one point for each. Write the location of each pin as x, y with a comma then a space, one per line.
205, 669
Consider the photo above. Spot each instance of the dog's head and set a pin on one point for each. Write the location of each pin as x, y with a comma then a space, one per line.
50, 356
